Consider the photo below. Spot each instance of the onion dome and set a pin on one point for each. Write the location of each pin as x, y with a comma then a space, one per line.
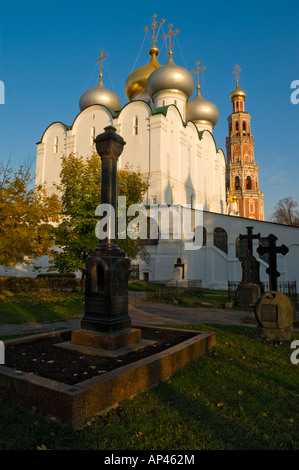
201, 110
100, 95
237, 94
233, 198
170, 77
135, 86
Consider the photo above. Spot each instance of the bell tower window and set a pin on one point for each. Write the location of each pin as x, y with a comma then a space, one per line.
248, 183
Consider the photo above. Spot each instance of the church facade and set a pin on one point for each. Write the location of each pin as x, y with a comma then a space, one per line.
169, 138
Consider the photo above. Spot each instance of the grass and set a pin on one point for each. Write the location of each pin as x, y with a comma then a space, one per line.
23, 307
190, 298
243, 396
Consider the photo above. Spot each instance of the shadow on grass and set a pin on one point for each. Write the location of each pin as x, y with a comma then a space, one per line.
39, 306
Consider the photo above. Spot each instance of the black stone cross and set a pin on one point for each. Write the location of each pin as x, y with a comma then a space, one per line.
250, 237
272, 250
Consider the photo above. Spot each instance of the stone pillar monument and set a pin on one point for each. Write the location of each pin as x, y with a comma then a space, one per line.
106, 323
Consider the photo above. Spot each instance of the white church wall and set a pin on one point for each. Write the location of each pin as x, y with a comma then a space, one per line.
50, 150
215, 267
133, 123
87, 125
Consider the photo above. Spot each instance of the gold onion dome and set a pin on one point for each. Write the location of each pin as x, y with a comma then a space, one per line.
170, 77
201, 110
233, 198
100, 95
135, 86
237, 93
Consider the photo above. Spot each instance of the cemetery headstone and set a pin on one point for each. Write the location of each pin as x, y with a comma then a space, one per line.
250, 287
275, 314
274, 311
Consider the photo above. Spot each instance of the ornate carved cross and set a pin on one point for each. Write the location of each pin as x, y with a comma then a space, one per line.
272, 250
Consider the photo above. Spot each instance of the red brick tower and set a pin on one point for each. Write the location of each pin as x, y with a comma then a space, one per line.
243, 195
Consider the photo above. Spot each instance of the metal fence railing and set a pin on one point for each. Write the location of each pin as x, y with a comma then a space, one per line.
164, 288
286, 287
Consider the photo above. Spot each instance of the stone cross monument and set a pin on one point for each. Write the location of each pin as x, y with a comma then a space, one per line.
106, 323
272, 250
274, 312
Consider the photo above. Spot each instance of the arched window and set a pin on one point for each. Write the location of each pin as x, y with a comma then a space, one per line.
237, 182
220, 239
55, 144
135, 126
92, 135
204, 236
248, 183
244, 127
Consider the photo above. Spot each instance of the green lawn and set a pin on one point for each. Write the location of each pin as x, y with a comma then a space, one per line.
244, 395
23, 307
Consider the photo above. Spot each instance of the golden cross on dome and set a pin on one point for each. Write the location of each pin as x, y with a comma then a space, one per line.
101, 59
236, 71
197, 70
171, 33
154, 25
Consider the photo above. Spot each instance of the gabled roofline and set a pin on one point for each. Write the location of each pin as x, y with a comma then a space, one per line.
55, 122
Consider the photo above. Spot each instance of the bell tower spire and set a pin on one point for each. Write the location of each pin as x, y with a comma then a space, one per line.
242, 171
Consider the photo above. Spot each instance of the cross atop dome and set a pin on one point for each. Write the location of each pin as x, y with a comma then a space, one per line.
170, 34
237, 71
197, 70
101, 59
154, 25
237, 93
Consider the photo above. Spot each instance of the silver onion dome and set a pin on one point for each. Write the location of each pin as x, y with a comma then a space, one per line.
100, 95
170, 77
201, 110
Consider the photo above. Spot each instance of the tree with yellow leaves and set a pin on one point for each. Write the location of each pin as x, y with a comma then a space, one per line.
27, 214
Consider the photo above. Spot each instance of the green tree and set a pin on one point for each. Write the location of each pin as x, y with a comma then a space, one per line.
80, 188
26, 217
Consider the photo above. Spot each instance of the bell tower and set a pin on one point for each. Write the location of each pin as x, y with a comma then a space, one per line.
243, 195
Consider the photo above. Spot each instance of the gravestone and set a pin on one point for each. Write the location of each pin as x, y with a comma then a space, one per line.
274, 312
250, 287
178, 273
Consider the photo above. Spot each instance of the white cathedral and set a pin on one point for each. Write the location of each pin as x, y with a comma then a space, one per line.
169, 137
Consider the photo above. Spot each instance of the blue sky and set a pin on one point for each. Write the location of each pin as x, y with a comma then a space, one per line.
48, 52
